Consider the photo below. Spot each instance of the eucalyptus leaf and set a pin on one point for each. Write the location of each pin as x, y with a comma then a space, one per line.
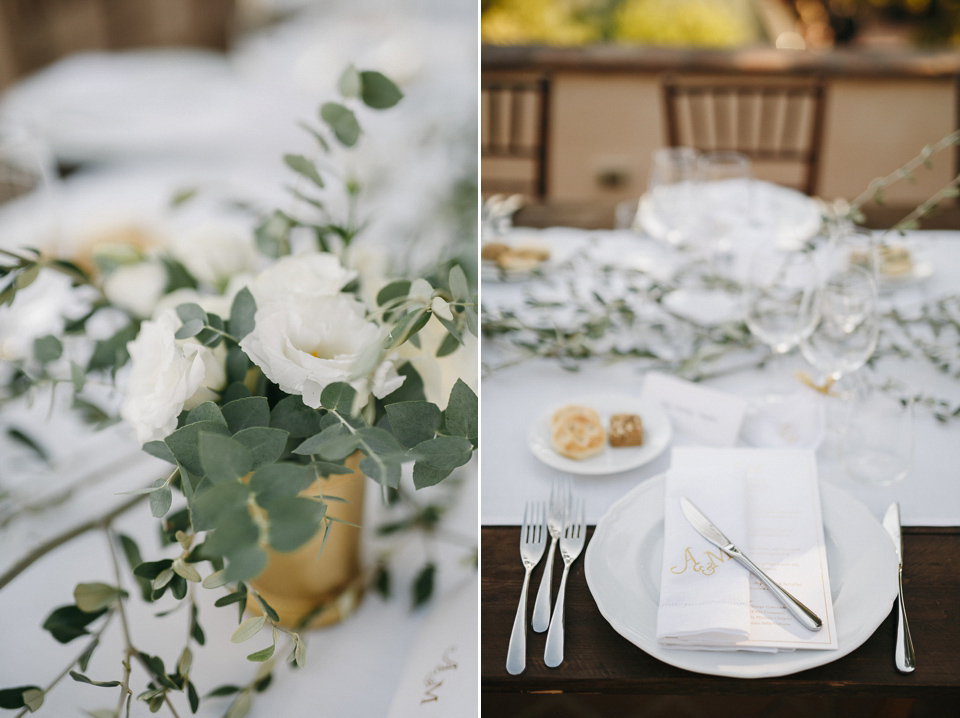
263, 654
161, 499
458, 284
207, 411
304, 167
413, 422
160, 450
342, 121
242, 313
235, 531
461, 416
246, 564
69, 622
192, 697
84, 660
384, 472
295, 417
240, 707
411, 389
215, 580
448, 346
267, 609
293, 522
393, 290
423, 585
47, 349
248, 629
184, 443
333, 444
379, 92
13, 698
223, 458
213, 502
338, 396
264, 444
189, 329
78, 376
244, 413
280, 480
190, 311
350, 83
94, 597
80, 678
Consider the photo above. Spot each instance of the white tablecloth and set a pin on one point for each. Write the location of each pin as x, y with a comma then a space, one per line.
515, 396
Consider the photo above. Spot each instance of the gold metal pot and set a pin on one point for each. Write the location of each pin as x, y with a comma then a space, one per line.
310, 588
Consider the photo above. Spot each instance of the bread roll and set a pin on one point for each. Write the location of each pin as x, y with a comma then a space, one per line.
576, 432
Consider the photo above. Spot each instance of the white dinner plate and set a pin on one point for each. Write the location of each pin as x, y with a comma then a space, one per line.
624, 559
787, 216
657, 433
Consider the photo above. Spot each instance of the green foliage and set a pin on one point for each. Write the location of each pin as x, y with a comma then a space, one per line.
342, 122
378, 91
242, 313
13, 698
69, 622
423, 585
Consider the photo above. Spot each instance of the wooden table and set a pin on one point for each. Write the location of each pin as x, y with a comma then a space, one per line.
604, 674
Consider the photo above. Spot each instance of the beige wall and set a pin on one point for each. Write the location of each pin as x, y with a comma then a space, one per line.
605, 127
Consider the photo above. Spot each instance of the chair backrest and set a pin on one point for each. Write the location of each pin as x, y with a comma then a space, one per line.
769, 120
513, 135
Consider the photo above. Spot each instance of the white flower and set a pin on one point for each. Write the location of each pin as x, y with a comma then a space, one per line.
305, 345
214, 252
168, 376
37, 311
301, 277
136, 287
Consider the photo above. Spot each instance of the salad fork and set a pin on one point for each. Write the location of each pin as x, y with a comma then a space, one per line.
556, 512
532, 543
571, 544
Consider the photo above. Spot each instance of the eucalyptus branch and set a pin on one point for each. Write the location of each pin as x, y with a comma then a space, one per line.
57, 541
63, 674
906, 170
924, 208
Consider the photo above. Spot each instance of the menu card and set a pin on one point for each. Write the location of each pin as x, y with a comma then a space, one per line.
780, 527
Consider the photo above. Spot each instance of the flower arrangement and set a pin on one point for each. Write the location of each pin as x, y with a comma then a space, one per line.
256, 369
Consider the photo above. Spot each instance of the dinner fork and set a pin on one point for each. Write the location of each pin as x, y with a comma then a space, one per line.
571, 544
556, 512
532, 542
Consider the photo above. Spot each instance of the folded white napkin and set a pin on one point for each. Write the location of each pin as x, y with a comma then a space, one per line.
767, 502
704, 594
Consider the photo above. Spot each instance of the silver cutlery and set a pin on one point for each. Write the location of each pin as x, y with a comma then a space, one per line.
711, 533
556, 512
532, 543
905, 658
571, 544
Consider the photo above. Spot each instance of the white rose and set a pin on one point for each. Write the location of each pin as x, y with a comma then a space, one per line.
303, 346
168, 376
136, 287
214, 252
37, 311
299, 277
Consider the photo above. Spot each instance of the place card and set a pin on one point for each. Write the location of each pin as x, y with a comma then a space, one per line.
711, 417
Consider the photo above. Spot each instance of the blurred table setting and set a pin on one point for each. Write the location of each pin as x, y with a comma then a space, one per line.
796, 380
140, 162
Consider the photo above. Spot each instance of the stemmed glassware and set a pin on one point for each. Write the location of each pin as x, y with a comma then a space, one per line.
726, 192
844, 323
671, 190
777, 295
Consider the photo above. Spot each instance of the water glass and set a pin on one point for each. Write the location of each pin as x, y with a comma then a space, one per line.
671, 190
844, 324
777, 293
725, 185
877, 447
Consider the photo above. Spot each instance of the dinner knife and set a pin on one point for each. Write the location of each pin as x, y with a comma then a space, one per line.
906, 660
808, 619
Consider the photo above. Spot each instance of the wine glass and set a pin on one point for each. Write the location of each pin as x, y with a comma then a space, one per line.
877, 446
777, 293
844, 323
27, 187
670, 190
726, 190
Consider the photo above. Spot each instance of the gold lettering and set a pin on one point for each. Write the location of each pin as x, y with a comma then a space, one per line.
687, 560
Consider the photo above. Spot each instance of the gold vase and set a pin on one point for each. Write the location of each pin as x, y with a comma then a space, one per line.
312, 588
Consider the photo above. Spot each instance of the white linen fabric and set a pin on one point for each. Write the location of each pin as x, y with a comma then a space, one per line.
704, 594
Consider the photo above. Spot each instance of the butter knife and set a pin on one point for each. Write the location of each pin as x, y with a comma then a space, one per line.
711, 533
906, 660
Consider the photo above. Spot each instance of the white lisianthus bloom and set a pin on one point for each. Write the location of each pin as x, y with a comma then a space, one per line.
136, 287
301, 277
168, 376
214, 252
305, 345
37, 311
